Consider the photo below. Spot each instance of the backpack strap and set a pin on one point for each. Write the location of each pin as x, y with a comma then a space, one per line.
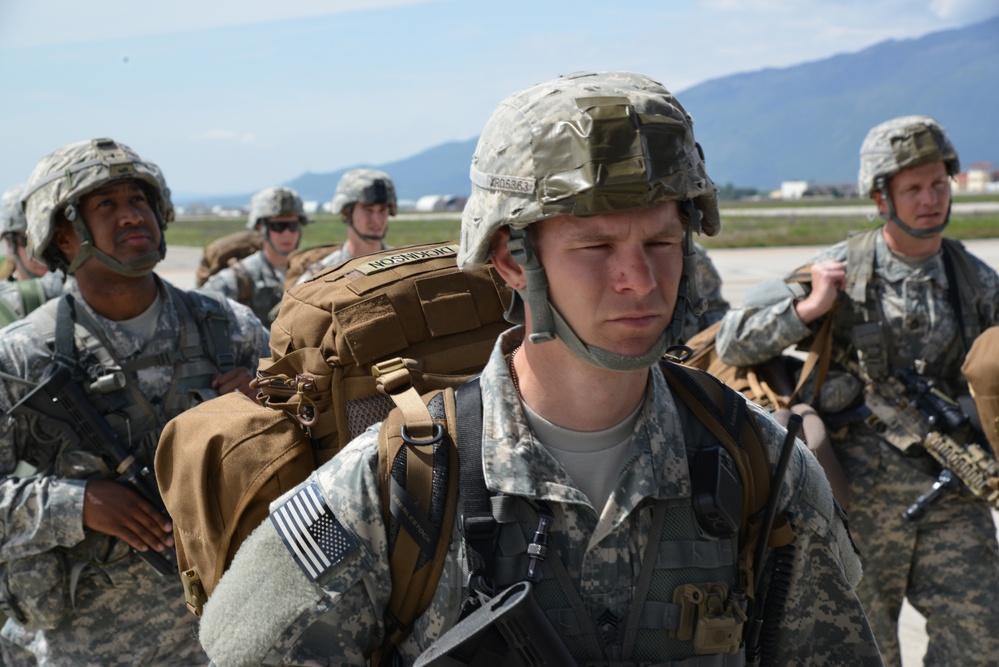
964, 289
32, 293
478, 526
6, 314
724, 412
867, 332
244, 282
419, 490
212, 320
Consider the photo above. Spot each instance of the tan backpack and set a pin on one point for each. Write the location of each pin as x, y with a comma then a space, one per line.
359, 339
225, 252
981, 369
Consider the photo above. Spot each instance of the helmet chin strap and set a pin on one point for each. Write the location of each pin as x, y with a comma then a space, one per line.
367, 237
547, 323
267, 239
136, 268
22, 267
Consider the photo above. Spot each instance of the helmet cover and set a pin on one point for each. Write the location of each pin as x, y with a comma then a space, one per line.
368, 186
12, 218
61, 179
903, 143
275, 203
583, 145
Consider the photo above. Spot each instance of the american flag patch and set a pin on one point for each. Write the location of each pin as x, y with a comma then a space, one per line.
312, 534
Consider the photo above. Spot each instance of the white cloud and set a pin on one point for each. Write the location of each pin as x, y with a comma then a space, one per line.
964, 10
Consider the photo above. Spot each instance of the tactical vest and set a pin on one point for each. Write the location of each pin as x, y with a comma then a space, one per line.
259, 285
204, 349
864, 318
679, 565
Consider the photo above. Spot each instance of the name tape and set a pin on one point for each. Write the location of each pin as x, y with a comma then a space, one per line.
385, 263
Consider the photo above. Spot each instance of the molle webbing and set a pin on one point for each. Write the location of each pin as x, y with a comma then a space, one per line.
406, 312
867, 333
496, 531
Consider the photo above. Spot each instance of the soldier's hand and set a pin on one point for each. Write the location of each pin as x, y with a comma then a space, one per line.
117, 510
238, 379
828, 280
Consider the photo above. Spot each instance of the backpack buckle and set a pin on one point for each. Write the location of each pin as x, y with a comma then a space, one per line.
391, 375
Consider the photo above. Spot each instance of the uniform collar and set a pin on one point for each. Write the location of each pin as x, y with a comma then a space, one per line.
515, 463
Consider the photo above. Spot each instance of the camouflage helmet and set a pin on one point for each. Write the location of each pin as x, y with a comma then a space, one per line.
583, 145
369, 186
12, 218
274, 203
61, 179
903, 143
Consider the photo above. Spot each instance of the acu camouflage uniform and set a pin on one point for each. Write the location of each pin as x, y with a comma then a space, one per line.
266, 609
709, 286
947, 563
268, 283
123, 612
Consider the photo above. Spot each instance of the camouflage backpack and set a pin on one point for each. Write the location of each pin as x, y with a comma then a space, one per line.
225, 252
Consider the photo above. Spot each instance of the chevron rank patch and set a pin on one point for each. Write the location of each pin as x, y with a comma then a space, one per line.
312, 534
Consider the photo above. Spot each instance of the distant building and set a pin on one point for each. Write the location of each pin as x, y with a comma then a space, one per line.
229, 211
437, 203
980, 177
793, 189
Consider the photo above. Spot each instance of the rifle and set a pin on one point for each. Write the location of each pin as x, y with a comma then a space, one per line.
907, 409
510, 630
61, 402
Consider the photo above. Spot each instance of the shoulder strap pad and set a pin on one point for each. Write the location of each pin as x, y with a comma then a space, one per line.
725, 413
964, 280
32, 293
6, 314
860, 263
213, 322
419, 486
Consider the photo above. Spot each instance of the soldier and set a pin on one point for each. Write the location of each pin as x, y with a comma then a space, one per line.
586, 192
258, 280
898, 305
140, 351
364, 199
30, 283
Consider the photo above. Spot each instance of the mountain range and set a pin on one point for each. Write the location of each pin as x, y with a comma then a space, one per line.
804, 122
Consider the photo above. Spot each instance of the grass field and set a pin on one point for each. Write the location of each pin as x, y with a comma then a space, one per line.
740, 231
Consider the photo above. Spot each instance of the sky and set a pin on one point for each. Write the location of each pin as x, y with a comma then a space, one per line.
230, 97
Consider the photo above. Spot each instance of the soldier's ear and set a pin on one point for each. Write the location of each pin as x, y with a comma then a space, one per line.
880, 201
64, 238
508, 268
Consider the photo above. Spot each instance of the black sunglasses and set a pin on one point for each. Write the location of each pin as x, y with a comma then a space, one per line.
282, 226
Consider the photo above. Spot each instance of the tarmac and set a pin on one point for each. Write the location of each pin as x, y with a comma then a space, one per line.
739, 268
